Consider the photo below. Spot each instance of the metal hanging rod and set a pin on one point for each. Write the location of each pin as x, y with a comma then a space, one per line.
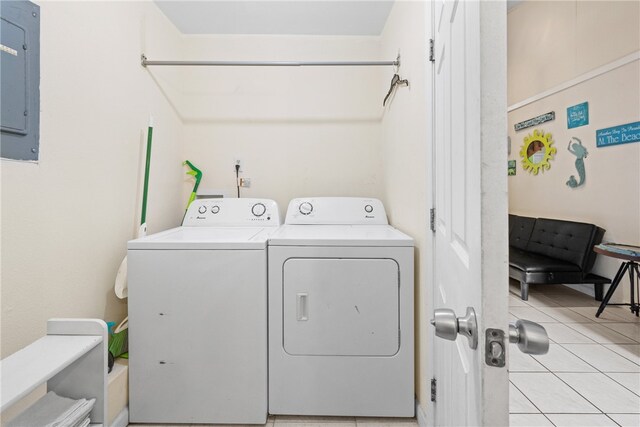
145, 63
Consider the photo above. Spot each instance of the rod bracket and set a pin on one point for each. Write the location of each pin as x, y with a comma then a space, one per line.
143, 60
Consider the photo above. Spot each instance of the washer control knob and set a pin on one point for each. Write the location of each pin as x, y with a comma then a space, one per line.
305, 208
368, 208
215, 209
202, 209
258, 209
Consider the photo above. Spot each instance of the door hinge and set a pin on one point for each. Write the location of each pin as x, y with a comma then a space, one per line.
433, 389
432, 219
432, 53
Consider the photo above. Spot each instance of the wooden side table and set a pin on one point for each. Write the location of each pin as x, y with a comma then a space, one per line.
631, 256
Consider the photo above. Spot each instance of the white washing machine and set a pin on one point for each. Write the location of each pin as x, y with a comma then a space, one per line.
198, 316
341, 332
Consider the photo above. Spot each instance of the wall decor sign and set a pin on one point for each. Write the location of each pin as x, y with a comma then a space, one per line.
511, 167
578, 150
617, 135
535, 121
578, 115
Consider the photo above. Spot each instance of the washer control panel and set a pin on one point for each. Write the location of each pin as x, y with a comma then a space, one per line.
232, 213
336, 210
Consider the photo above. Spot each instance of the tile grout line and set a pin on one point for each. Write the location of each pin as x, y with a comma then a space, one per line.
618, 382
526, 397
614, 421
568, 326
605, 346
594, 367
579, 394
588, 322
621, 355
629, 323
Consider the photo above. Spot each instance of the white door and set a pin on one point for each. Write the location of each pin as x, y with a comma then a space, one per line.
470, 196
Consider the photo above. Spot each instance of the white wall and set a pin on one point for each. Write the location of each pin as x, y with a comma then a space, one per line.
406, 180
610, 196
66, 219
297, 131
553, 41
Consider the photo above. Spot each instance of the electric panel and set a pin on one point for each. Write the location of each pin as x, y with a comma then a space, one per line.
20, 80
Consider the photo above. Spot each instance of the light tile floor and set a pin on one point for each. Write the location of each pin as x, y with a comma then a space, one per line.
293, 421
591, 375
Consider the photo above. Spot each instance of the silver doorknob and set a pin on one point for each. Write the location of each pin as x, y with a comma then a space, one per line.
531, 337
448, 326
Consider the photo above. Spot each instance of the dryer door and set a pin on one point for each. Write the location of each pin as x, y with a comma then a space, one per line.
341, 307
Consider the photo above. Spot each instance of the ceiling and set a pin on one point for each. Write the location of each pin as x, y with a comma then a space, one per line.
299, 17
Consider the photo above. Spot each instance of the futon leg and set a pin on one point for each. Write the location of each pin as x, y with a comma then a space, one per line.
524, 291
599, 291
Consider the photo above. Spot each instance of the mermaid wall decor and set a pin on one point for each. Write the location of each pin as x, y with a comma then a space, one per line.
578, 150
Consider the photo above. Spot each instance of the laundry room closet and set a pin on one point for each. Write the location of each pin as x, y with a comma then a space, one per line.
297, 131
320, 131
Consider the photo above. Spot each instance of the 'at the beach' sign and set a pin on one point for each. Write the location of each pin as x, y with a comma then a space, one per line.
616, 135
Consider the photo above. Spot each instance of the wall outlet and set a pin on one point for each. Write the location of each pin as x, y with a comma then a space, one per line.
237, 161
245, 182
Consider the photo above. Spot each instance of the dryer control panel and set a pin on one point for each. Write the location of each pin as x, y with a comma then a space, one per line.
336, 210
232, 213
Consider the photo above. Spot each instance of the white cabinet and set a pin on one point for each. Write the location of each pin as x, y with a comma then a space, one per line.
71, 359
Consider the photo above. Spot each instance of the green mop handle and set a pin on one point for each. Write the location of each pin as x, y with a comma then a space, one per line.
197, 174
143, 218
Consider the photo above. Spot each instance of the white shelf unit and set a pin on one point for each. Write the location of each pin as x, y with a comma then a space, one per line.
71, 359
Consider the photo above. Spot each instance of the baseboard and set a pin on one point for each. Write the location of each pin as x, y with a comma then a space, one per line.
421, 416
585, 289
122, 419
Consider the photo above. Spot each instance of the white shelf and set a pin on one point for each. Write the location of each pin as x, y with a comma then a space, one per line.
71, 359
25, 370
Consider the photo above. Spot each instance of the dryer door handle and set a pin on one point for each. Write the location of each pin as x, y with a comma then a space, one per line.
302, 307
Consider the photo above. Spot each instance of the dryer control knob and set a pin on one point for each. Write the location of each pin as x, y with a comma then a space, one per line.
368, 209
202, 209
258, 209
215, 209
305, 208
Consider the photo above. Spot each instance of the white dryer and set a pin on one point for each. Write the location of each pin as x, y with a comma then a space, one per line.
341, 332
198, 316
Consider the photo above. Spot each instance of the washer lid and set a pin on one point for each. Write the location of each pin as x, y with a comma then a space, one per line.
205, 238
339, 235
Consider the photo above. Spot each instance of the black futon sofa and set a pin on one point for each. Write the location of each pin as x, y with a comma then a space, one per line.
553, 251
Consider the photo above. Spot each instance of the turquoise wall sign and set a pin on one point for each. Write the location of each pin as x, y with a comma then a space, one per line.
578, 115
616, 135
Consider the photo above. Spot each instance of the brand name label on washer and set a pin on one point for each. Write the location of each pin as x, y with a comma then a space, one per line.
7, 49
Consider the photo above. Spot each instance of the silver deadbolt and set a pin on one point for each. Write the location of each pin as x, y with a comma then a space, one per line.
448, 326
531, 337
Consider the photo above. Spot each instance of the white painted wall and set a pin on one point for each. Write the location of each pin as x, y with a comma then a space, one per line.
610, 197
66, 219
297, 131
407, 179
553, 41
